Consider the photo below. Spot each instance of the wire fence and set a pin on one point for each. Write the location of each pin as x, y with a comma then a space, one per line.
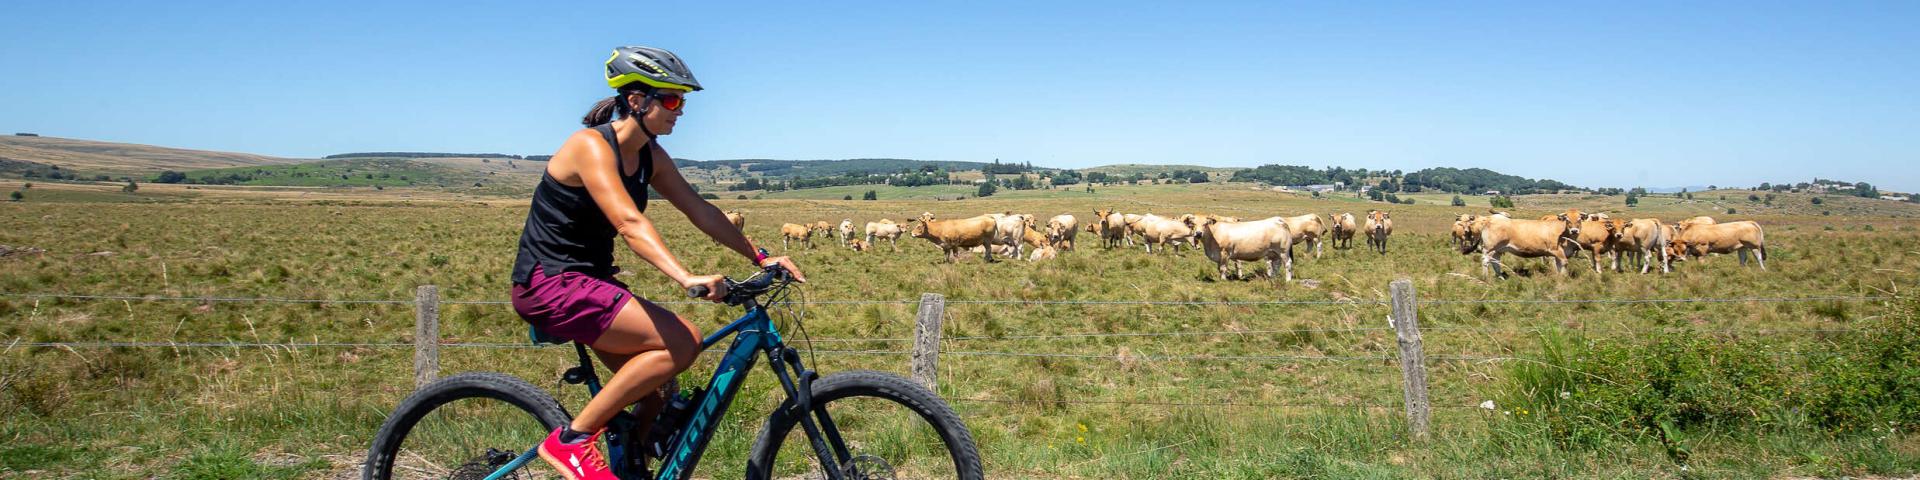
1201, 303
942, 349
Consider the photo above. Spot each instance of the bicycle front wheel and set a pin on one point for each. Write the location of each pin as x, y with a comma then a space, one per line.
888, 426
466, 426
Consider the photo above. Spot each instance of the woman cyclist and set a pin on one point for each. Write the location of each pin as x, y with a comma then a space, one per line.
594, 189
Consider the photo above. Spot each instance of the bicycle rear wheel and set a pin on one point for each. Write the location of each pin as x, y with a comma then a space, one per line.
465, 427
891, 427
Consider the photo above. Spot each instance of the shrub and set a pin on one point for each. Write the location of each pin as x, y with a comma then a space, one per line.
1457, 201
1583, 392
870, 195
17, 196
848, 197
1817, 200
1731, 211
709, 196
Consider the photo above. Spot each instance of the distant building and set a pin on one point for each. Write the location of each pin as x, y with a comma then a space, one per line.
1897, 198
1492, 192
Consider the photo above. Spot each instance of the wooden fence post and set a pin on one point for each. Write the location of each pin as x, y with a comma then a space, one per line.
926, 339
1413, 359
426, 334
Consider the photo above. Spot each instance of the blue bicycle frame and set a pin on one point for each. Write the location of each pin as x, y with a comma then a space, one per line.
756, 333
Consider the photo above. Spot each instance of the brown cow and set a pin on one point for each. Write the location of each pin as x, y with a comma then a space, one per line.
1597, 236
955, 236
1307, 228
1648, 237
1499, 235
1460, 228
793, 231
1343, 229
858, 245
1379, 226
1112, 227
1731, 237
1267, 239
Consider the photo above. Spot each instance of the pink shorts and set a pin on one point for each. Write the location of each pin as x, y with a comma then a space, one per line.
573, 306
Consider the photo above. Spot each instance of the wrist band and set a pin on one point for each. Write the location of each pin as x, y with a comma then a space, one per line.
759, 256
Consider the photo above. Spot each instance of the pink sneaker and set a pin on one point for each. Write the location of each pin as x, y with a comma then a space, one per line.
577, 461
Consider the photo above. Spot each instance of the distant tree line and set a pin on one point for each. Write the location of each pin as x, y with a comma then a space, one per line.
425, 155
1478, 180
1296, 175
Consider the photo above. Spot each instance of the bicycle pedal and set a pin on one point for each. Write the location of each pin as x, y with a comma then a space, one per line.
577, 375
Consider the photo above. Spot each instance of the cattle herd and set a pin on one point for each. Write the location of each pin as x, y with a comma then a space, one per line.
1647, 241
1227, 241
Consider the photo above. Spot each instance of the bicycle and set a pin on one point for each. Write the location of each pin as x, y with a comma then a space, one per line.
483, 411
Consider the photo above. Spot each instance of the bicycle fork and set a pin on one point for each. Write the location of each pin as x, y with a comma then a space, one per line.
821, 432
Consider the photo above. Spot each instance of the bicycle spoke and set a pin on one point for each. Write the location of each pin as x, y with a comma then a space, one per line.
885, 439
470, 439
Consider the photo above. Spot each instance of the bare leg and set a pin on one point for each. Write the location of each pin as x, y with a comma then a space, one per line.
657, 344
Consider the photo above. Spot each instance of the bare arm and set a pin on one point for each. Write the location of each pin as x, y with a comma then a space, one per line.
599, 171
668, 181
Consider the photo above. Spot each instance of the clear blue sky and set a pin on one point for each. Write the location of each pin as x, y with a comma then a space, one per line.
1599, 94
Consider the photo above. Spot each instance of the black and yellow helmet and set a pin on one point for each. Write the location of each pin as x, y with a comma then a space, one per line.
649, 66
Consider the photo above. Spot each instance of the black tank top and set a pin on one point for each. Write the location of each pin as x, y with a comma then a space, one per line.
566, 231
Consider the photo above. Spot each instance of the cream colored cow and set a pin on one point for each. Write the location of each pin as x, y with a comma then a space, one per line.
1268, 239
885, 229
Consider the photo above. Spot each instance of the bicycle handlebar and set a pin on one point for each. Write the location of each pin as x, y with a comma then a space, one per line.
769, 278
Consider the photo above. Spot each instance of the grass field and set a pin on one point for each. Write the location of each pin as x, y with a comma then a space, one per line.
1240, 391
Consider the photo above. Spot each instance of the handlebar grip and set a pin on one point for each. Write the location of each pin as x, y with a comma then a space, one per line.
697, 291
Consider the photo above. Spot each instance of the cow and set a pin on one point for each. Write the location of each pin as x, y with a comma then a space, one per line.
1731, 237
1268, 239
1164, 231
1112, 227
1343, 228
1460, 224
1700, 220
1132, 226
885, 229
1573, 213
1009, 228
846, 230
1379, 226
739, 220
1648, 237
793, 231
1497, 235
1061, 230
1307, 228
858, 245
821, 227
1042, 247
955, 236
1597, 236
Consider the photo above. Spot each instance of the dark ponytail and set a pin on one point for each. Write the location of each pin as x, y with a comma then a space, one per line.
603, 112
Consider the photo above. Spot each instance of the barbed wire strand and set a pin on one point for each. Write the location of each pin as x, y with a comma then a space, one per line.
211, 299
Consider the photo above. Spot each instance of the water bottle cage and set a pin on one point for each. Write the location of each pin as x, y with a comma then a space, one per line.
671, 421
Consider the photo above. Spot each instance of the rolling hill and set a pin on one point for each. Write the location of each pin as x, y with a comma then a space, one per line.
91, 157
